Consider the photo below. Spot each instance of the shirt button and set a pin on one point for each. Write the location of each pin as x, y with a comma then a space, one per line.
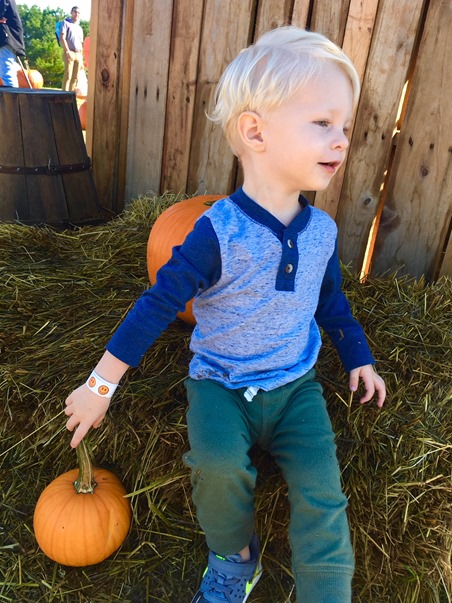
290, 243
289, 268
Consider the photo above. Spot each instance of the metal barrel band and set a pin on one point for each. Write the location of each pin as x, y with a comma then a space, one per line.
47, 170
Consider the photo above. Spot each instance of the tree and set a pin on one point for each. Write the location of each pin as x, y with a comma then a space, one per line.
41, 46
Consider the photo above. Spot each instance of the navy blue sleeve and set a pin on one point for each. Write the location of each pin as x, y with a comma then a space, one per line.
194, 266
334, 316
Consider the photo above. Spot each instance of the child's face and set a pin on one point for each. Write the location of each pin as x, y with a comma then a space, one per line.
306, 137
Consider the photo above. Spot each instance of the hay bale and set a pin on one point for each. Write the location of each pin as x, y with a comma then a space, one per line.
62, 296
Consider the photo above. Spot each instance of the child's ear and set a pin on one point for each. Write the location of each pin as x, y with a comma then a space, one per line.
250, 130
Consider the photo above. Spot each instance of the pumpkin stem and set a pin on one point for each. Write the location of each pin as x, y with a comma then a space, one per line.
84, 484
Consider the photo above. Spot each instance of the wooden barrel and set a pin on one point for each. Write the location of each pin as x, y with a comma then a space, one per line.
45, 172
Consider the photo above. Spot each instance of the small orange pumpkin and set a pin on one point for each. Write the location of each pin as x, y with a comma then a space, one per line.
171, 228
35, 77
82, 517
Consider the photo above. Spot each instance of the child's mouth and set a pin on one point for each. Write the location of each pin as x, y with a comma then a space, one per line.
330, 166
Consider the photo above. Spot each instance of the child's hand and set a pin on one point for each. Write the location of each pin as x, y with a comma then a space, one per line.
85, 409
372, 382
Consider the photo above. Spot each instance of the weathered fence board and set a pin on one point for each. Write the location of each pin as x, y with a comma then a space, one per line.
329, 17
271, 14
300, 13
124, 99
186, 37
148, 94
418, 207
106, 107
394, 36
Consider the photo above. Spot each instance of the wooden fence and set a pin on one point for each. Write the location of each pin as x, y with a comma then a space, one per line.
157, 64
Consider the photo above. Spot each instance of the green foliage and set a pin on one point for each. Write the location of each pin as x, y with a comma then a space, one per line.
41, 46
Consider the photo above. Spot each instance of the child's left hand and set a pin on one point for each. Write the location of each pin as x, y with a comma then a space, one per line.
372, 382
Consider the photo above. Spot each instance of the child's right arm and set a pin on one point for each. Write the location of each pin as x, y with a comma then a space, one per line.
194, 266
87, 409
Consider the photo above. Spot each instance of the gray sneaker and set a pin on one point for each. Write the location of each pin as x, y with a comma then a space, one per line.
228, 579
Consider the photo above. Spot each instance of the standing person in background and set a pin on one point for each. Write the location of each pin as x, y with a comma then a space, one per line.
72, 43
11, 42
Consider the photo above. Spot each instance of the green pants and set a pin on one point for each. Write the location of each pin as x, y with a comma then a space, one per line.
292, 423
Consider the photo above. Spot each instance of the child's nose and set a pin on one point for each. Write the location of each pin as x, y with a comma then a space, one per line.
341, 140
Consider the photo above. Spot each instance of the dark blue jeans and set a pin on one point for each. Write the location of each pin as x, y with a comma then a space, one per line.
292, 423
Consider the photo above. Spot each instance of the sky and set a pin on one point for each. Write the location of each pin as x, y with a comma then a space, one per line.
66, 5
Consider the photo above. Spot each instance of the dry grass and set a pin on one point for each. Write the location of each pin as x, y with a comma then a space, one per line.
62, 294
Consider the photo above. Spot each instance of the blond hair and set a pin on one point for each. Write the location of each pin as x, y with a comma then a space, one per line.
269, 72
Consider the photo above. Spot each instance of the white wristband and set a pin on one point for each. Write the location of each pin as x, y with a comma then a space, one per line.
101, 387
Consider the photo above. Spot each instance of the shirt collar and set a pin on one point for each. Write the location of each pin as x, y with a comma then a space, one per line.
257, 213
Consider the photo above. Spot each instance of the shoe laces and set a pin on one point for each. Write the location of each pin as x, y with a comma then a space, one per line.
223, 587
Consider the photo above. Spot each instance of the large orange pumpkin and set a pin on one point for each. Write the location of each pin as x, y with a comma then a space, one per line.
83, 111
82, 517
171, 228
86, 45
35, 77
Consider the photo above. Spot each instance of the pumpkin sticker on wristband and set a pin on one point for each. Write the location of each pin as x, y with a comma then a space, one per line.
100, 386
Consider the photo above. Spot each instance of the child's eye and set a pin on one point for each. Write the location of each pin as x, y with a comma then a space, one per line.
323, 123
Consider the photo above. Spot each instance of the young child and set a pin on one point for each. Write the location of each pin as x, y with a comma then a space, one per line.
263, 267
